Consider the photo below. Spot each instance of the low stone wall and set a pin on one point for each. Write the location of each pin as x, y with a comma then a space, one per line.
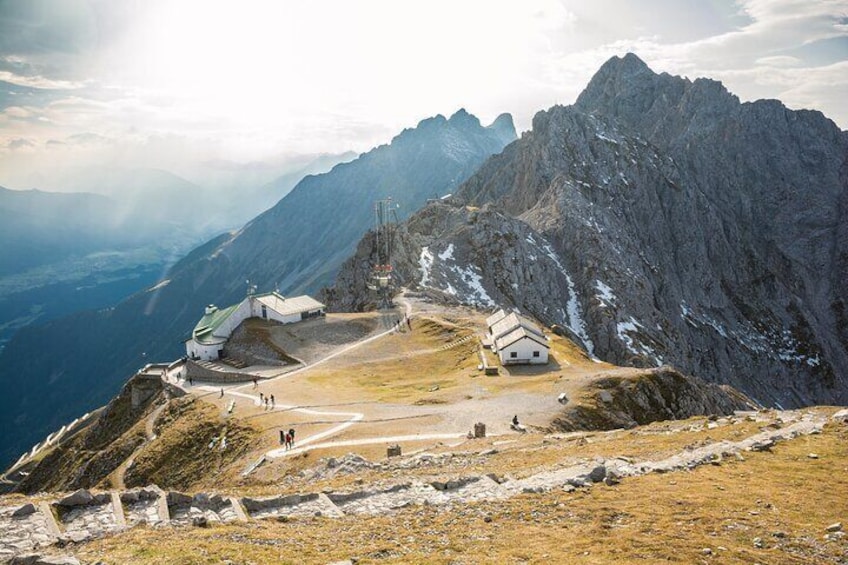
199, 373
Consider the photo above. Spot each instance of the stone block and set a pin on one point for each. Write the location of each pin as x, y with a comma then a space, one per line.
393, 451
178, 499
130, 497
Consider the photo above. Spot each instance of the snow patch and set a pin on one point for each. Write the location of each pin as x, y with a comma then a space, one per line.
468, 278
472, 279
605, 294
447, 254
573, 316
624, 329
425, 262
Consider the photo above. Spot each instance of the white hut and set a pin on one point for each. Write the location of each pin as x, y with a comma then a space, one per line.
517, 340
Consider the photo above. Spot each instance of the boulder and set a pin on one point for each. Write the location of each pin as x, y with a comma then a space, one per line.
80, 498
598, 473
25, 510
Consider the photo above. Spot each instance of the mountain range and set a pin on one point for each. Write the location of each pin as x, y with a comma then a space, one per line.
657, 220
54, 372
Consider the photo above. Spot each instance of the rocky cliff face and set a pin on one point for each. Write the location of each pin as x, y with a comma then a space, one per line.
68, 366
660, 221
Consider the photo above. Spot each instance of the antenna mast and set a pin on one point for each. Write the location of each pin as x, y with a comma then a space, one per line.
382, 272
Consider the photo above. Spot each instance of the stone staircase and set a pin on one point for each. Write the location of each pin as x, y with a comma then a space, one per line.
456, 343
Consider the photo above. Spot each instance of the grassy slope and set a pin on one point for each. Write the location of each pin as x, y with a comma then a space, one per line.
180, 457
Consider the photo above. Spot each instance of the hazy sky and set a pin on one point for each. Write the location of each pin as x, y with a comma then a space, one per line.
167, 82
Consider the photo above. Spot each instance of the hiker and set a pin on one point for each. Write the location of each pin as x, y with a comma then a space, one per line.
261, 398
191, 381
409, 323
266, 403
255, 383
515, 420
222, 393
288, 442
291, 435
272, 401
282, 437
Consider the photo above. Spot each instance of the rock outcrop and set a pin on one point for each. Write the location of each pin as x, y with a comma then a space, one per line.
637, 397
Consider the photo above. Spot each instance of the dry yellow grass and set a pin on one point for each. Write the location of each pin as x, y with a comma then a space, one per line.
784, 498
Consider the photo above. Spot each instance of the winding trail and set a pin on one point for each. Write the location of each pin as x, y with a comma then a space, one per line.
308, 443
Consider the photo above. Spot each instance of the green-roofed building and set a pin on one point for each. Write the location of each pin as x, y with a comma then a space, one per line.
217, 324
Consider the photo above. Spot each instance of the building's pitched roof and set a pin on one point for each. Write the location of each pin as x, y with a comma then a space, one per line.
511, 323
517, 335
288, 306
205, 329
495, 318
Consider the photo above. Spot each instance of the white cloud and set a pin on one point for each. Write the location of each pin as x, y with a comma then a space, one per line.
245, 80
36, 81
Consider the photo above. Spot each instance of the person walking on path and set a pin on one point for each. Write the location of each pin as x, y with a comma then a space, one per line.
288, 442
282, 437
255, 383
291, 435
222, 393
272, 402
261, 398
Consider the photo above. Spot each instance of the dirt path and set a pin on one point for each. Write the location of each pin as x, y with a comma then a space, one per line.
119, 473
350, 418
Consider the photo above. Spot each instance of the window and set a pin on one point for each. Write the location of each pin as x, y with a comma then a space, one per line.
264, 312
535, 354
513, 354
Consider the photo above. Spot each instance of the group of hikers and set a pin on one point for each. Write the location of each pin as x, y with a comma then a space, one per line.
268, 401
287, 438
399, 323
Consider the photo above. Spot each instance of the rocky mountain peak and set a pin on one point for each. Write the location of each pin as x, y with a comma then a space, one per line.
461, 118
615, 76
659, 220
504, 128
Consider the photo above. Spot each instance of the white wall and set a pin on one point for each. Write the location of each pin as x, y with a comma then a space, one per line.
238, 315
524, 349
202, 351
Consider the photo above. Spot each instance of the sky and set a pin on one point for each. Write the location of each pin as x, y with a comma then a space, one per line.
176, 84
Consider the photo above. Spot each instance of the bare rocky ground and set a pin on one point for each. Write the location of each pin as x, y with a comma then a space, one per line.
313, 339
